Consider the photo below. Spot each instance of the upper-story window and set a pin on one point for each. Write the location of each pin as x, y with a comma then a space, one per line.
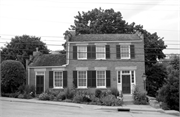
82, 52
100, 52
125, 51
91, 52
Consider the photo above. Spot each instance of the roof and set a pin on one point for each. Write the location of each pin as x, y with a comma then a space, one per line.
105, 37
49, 60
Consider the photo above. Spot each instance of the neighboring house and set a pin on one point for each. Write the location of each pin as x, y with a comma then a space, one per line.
92, 61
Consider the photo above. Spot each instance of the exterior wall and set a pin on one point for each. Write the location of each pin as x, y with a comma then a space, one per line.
110, 64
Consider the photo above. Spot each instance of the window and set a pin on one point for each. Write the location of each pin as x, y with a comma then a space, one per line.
58, 79
82, 52
125, 52
101, 79
100, 52
82, 79
119, 76
132, 76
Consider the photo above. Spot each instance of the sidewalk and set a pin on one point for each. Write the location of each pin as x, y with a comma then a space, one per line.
128, 107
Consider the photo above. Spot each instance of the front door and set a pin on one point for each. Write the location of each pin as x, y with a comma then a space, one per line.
39, 84
126, 89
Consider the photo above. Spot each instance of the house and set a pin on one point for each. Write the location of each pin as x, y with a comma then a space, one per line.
92, 61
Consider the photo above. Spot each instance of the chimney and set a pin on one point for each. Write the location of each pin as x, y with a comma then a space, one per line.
35, 53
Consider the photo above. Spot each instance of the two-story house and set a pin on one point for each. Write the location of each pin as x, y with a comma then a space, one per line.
93, 61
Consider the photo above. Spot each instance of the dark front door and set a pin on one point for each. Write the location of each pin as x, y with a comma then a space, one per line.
126, 84
39, 84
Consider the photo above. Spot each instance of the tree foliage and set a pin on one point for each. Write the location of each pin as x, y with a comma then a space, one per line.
169, 93
156, 78
99, 21
21, 47
12, 75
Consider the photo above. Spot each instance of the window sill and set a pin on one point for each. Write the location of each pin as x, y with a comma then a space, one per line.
58, 88
81, 87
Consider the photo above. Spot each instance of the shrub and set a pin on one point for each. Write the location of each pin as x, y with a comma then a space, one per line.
27, 90
139, 97
114, 92
12, 76
78, 98
52, 92
98, 93
44, 96
61, 96
69, 93
111, 100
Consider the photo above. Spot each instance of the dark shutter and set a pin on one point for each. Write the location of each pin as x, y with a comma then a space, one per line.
93, 52
107, 51
94, 79
64, 79
75, 79
50, 79
89, 52
132, 49
74, 52
108, 78
89, 78
118, 52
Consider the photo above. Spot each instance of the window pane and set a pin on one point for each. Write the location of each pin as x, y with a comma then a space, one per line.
82, 52
125, 51
100, 52
58, 79
82, 78
119, 76
101, 79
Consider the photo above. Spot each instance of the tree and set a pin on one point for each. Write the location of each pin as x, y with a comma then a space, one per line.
156, 78
169, 93
12, 75
21, 47
99, 21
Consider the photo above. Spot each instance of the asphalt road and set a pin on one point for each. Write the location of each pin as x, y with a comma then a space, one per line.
22, 109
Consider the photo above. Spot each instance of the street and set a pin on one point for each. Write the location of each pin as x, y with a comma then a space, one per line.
22, 109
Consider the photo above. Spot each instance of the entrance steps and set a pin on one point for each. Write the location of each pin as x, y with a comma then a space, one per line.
127, 99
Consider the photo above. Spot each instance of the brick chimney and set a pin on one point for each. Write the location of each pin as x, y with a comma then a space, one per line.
36, 53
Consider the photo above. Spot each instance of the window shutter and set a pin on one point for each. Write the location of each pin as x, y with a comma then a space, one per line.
107, 51
75, 78
64, 79
94, 79
118, 52
74, 52
89, 78
89, 52
50, 79
132, 50
93, 52
108, 78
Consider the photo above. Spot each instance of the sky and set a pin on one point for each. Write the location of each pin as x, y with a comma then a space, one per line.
49, 19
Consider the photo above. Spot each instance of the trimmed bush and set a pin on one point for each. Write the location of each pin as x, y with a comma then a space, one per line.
140, 97
78, 98
61, 96
98, 93
12, 76
44, 96
114, 92
111, 100
27, 90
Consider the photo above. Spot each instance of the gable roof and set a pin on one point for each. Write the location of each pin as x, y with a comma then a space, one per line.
105, 37
49, 60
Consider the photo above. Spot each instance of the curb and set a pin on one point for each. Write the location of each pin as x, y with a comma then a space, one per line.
40, 102
127, 109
